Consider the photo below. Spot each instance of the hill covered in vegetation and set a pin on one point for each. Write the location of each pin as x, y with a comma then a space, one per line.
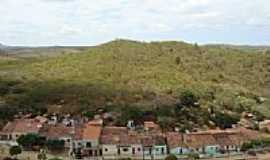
173, 82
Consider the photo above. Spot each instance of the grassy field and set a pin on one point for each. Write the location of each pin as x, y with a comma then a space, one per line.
126, 72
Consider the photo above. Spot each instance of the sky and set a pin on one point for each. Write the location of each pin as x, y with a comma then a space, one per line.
91, 22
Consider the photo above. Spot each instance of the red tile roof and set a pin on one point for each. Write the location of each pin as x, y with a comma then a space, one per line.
196, 140
57, 131
89, 131
174, 139
23, 126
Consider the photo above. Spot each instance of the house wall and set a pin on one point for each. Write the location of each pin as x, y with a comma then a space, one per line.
125, 150
179, 151
109, 149
138, 149
67, 140
230, 148
84, 143
211, 150
132, 150
160, 150
15, 136
148, 150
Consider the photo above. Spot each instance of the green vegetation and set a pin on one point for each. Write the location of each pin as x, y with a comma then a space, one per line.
31, 141
171, 82
255, 144
55, 145
42, 155
35, 142
15, 150
171, 157
55, 158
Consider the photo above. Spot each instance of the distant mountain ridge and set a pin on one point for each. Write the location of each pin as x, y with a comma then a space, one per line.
124, 74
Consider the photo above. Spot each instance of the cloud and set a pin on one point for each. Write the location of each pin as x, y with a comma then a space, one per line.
43, 22
69, 30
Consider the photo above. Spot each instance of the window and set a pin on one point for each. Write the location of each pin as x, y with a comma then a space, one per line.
162, 150
125, 149
88, 144
100, 152
157, 149
106, 149
139, 149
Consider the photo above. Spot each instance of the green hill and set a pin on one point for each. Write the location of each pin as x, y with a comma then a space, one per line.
145, 75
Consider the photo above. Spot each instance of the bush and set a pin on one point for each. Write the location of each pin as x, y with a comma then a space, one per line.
55, 158
187, 98
259, 143
42, 156
9, 158
30, 141
15, 150
225, 120
55, 145
193, 156
130, 113
171, 157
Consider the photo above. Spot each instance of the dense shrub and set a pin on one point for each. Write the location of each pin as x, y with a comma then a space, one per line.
129, 113
15, 150
188, 98
9, 158
30, 141
55, 158
225, 120
259, 143
171, 157
55, 145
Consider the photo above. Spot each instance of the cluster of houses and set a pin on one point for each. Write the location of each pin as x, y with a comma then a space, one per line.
93, 139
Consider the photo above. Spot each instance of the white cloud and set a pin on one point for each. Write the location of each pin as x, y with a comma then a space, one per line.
91, 21
68, 30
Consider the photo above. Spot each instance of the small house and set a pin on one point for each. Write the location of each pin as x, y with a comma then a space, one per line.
59, 132
176, 145
87, 139
14, 129
119, 142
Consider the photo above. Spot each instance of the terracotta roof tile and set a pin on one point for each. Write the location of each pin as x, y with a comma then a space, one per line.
91, 132
57, 131
23, 126
174, 139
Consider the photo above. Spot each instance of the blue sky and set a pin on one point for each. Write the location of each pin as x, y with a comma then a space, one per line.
90, 22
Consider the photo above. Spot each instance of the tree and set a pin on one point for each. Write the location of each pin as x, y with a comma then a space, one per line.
55, 158
171, 157
187, 98
177, 60
55, 145
9, 158
130, 113
193, 156
225, 120
15, 150
31, 140
42, 155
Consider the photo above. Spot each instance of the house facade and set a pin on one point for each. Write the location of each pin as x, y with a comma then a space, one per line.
86, 139
176, 145
93, 140
59, 131
120, 142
